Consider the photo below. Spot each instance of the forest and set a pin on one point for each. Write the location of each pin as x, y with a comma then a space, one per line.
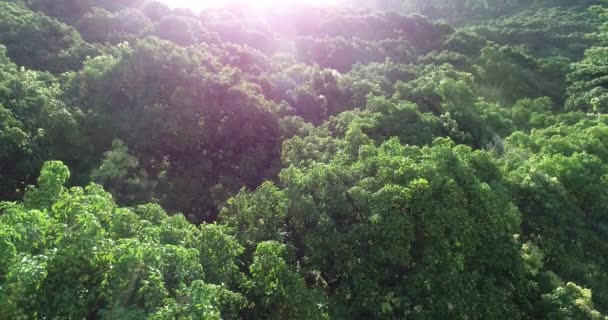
368, 159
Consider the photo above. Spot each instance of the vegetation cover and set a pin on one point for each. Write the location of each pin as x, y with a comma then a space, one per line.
417, 159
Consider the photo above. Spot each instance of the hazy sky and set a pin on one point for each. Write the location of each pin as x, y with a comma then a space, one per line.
200, 4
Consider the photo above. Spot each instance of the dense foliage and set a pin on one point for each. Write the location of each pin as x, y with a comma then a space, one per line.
378, 160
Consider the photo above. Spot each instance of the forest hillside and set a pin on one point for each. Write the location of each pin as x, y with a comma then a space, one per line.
365, 159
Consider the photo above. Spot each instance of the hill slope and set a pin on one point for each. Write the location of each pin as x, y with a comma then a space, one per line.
386, 159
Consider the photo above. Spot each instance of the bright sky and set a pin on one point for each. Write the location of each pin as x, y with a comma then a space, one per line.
201, 4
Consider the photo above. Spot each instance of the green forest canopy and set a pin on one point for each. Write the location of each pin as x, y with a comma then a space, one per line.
382, 160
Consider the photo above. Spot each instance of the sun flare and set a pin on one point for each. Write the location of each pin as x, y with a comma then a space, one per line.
202, 4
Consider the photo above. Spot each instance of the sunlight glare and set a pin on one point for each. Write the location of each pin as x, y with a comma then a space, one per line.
202, 4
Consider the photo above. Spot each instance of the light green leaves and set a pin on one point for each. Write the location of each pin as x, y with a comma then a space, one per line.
76, 248
572, 302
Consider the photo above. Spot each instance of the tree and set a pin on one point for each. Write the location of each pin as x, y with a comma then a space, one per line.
571, 301
127, 263
100, 25
587, 91
36, 41
36, 125
185, 117
329, 161
380, 230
